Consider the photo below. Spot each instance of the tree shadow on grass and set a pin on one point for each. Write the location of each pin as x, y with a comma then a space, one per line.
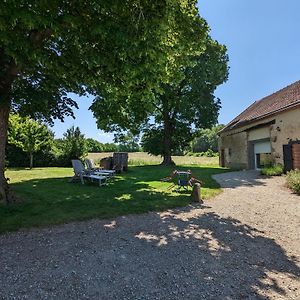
55, 200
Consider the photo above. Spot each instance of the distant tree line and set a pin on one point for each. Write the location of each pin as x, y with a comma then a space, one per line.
31, 143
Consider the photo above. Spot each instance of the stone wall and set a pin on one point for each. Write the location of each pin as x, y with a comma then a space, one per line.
234, 145
286, 128
235, 142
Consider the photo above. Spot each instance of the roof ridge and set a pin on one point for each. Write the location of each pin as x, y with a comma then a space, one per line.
279, 91
277, 101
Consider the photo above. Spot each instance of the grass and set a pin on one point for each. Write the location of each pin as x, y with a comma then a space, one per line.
143, 158
49, 198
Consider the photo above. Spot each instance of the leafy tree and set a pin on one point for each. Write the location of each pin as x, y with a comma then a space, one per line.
73, 145
184, 104
94, 145
28, 135
127, 142
207, 139
110, 147
153, 137
117, 49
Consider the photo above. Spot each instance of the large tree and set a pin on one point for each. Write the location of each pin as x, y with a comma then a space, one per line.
182, 105
117, 49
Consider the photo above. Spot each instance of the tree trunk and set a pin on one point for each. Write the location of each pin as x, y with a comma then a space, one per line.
4, 114
31, 160
8, 74
167, 161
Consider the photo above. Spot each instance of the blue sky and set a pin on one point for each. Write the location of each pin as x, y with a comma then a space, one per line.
262, 38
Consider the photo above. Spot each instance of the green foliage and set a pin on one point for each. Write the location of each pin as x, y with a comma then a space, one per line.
72, 146
127, 142
110, 147
181, 36
207, 139
28, 135
48, 197
54, 152
45, 157
152, 141
118, 49
208, 153
293, 181
94, 145
273, 170
184, 103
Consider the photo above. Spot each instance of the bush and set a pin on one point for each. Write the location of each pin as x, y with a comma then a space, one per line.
15, 157
208, 153
211, 153
293, 181
275, 170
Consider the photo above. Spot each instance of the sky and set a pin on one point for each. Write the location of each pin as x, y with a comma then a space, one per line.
262, 38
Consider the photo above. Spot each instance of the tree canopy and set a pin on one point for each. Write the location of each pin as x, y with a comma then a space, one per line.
182, 106
120, 50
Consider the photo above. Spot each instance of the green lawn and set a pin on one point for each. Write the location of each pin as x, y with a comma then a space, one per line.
49, 198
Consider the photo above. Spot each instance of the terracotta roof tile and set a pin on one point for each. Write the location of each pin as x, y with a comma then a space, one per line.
276, 102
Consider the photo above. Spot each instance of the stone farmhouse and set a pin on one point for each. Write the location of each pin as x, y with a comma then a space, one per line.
268, 131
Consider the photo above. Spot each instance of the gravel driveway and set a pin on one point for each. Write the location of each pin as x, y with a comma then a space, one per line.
243, 244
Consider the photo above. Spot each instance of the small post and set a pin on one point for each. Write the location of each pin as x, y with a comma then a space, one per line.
196, 193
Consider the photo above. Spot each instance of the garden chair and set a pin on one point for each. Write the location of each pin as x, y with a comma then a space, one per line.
80, 173
181, 179
92, 168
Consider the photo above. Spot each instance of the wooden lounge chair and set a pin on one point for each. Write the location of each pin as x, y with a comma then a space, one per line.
92, 168
80, 173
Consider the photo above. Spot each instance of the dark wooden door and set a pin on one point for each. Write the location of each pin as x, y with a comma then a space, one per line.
287, 157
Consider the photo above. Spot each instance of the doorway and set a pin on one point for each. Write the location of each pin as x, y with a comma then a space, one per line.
222, 158
262, 154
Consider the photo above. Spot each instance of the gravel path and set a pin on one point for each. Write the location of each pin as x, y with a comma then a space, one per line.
244, 244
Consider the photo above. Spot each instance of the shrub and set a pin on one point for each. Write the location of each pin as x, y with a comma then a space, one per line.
293, 181
275, 170
211, 153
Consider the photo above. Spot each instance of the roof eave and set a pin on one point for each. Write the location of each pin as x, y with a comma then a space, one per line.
244, 123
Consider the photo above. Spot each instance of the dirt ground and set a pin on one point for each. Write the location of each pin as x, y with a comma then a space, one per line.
243, 244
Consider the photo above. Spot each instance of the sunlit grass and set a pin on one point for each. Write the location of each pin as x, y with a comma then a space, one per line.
143, 158
49, 197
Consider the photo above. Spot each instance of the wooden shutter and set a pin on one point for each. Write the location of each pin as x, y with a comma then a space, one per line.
296, 156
